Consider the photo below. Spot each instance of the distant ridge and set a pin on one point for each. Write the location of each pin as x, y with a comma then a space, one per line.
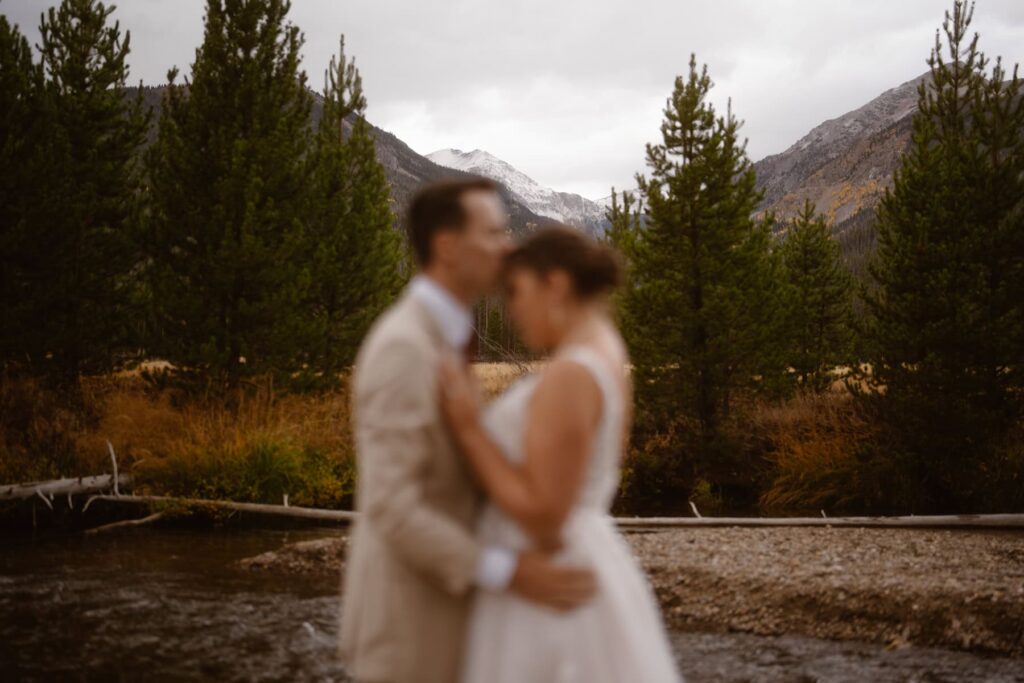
565, 207
844, 166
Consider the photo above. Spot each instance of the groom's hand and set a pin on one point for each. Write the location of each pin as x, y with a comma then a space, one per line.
558, 587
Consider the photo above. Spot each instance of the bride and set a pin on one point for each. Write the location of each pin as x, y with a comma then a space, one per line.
547, 452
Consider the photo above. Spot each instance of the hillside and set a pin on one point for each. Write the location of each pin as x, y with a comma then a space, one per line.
845, 164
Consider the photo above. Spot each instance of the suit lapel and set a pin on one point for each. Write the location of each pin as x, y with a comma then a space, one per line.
420, 315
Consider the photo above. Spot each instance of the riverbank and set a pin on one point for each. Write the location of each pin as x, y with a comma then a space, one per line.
897, 587
178, 603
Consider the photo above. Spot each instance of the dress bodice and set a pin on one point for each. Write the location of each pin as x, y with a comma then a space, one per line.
506, 422
618, 636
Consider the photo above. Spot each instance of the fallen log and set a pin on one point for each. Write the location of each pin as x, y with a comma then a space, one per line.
1000, 521
61, 487
125, 523
292, 511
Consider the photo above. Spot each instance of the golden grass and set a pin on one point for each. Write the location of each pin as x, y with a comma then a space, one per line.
187, 444
813, 441
495, 378
38, 430
845, 374
265, 443
256, 447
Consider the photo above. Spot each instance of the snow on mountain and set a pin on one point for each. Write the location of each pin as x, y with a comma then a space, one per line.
565, 207
606, 201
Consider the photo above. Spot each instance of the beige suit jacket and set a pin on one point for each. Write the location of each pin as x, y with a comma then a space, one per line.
412, 554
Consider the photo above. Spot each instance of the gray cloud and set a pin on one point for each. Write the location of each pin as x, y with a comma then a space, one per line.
570, 90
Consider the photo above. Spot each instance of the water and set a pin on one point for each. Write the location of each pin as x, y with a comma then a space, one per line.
172, 605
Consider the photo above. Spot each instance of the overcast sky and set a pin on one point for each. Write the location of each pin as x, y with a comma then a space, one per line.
569, 91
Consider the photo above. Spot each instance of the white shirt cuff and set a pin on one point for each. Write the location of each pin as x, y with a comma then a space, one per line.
495, 568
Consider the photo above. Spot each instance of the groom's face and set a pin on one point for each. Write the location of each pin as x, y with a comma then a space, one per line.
483, 242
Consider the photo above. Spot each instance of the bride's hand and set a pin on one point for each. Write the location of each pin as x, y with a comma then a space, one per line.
460, 400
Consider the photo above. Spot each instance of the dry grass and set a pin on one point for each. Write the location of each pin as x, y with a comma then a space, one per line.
39, 430
264, 443
813, 443
845, 375
150, 426
494, 378
256, 447
259, 445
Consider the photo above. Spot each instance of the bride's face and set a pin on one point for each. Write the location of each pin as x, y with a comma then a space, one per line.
536, 304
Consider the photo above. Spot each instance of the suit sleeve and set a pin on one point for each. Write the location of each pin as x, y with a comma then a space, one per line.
394, 415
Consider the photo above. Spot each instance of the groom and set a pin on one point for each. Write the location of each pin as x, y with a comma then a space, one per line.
413, 561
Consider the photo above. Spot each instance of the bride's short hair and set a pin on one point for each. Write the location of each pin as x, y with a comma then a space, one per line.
593, 268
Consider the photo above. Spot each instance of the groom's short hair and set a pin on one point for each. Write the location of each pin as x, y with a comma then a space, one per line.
438, 207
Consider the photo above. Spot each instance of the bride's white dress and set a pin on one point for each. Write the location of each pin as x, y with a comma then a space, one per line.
619, 636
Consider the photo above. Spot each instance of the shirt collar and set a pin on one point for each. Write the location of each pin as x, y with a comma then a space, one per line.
454, 318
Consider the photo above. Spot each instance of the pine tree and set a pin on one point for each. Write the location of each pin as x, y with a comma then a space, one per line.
355, 252
20, 90
947, 318
625, 220
229, 186
702, 319
821, 299
77, 253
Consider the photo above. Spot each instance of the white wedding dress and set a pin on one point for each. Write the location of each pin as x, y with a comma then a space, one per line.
619, 636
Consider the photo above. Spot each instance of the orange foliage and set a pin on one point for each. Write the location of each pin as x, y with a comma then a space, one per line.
813, 443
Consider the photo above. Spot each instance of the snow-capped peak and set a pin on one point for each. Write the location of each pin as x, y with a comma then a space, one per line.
543, 201
606, 201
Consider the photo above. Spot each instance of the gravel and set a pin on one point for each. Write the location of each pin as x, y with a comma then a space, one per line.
947, 588
898, 587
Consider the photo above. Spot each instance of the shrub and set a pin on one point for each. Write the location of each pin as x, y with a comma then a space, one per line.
255, 445
256, 448
39, 427
655, 474
815, 446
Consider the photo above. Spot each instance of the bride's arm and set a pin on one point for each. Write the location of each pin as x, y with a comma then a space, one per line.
562, 418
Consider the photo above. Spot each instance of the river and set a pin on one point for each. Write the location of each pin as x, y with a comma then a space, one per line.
173, 605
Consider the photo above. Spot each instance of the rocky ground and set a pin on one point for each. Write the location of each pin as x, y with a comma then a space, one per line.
953, 589
942, 588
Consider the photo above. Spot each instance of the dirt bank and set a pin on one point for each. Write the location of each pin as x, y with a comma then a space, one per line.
954, 589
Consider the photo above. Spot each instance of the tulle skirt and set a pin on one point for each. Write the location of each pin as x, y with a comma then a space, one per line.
618, 637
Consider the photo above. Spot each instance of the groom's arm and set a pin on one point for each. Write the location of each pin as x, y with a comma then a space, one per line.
393, 420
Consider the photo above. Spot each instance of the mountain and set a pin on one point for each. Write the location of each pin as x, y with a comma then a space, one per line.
405, 169
571, 209
606, 201
844, 166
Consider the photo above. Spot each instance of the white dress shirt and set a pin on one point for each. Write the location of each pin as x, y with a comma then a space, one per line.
450, 314
497, 565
